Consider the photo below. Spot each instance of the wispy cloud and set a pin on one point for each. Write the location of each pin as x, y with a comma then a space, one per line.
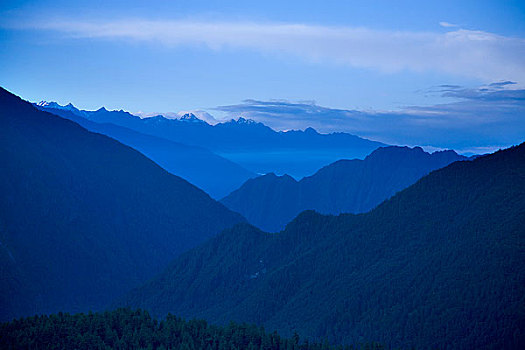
498, 92
479, 120
478, 54
502, 84
448, 25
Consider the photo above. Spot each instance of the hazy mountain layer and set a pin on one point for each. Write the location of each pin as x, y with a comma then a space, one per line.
216, 175
439, 265
253, 145
346, 186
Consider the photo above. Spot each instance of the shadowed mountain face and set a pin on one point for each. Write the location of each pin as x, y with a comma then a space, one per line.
216, 175
439, 265
346, 186
84, 218
252, 145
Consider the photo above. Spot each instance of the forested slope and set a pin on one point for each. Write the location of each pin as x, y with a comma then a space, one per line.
439, 265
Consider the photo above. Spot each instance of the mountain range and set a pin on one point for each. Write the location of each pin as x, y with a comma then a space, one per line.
346, 186
212, 173
84, 218
439, 265
429, 252
250, 144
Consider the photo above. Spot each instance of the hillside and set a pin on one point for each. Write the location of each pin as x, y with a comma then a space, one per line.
84, 218
216, 175
346, 186
439, 265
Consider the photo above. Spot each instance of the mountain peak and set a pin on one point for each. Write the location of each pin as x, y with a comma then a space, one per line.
273, 176
190, 117
242, 120
446, 151
55, 105
395, 150
310, 131
156, 119
49, 104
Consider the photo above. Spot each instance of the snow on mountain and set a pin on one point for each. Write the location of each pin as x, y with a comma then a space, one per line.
190, 117
52, 104
199, 114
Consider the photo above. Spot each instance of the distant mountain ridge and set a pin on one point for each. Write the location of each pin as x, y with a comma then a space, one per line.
84, 218
251, 144
439, 265
346, 186
216, 175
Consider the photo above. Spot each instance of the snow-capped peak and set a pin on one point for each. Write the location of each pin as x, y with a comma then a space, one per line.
196, 115
190, 117
49, 104
52, 104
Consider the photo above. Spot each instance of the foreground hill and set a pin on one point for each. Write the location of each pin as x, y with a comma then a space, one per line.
84, 218
439, 265
216, 175
253, 145
128, 329
346, 186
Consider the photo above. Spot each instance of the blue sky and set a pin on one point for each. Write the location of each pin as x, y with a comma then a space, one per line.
379, 69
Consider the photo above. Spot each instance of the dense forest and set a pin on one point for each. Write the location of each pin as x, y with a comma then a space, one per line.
136, 329
439, 265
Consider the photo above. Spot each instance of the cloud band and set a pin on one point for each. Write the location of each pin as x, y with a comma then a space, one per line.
478, 54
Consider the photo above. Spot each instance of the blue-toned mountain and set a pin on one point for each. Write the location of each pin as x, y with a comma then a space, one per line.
346, 186
216, 175
83, 218
440, 265
250, 144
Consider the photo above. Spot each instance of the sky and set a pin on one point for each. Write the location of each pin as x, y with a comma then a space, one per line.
443, 74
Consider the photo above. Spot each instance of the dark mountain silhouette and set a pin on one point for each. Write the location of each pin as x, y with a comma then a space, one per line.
253, 145
439, 265
216, 175
84, 218
346, 186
